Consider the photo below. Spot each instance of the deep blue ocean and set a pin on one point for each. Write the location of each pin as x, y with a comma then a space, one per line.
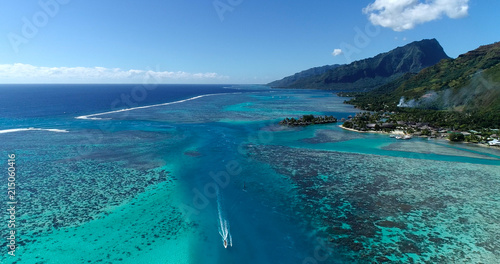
58, 100
205, 174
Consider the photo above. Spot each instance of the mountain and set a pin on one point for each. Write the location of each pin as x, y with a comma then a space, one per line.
290, 80
367, 74
469, 83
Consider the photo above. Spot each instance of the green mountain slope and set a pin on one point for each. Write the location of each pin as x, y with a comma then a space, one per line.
470, 82
290, 80
371, 73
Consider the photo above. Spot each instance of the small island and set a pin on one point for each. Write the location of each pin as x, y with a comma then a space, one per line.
307, 120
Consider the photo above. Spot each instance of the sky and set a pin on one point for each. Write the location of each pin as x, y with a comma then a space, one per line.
221, 41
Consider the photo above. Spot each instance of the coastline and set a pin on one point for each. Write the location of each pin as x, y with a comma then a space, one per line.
400, 132
395, 132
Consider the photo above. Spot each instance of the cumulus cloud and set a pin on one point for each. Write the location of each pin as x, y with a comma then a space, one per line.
337, 52
27, 73
402, 15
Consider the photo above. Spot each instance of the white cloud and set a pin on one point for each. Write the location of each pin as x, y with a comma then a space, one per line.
337, 52
26, 73
402, 15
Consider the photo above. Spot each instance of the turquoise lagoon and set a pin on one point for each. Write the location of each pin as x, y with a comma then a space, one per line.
167, 184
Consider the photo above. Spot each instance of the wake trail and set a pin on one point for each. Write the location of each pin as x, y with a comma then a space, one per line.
224, 232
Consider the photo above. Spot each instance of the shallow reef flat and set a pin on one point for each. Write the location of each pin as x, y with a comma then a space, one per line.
107, 202
144, 229
441, 149
374, 208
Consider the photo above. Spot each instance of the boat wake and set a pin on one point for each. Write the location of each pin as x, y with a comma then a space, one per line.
224, 232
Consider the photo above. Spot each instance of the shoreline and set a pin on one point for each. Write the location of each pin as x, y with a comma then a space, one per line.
395, 132
400, 132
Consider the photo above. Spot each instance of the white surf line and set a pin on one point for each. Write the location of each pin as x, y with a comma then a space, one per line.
32, 129
92, 117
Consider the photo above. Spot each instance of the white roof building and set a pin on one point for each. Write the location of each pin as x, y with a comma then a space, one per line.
494, 142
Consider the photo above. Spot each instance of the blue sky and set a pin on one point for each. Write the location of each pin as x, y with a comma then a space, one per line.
221, 41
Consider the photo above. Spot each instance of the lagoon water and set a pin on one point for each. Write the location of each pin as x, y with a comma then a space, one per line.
168, 183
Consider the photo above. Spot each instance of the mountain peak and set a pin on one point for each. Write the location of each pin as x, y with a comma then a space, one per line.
373, 72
